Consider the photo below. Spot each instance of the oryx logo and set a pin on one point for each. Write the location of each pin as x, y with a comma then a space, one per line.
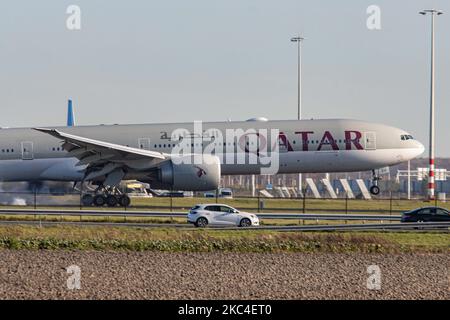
200, 171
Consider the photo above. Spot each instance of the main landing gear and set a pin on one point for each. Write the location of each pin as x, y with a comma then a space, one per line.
374, 189
106, 196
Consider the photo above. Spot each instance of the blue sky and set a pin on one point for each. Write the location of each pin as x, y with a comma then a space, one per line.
161, 61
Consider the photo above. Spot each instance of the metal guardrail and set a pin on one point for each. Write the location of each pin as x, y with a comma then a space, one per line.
416, 226
373, 226
161, 214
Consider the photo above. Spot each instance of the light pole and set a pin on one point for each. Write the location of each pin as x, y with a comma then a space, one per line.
299, 75
299, 40
433, 13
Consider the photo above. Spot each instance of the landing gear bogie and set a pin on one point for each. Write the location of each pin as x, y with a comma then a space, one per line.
99, 200
87, 200
124, 200
110, 200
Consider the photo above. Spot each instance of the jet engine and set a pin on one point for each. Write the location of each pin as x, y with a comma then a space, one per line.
188, 173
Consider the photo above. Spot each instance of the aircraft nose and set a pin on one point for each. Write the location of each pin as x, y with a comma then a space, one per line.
420, 148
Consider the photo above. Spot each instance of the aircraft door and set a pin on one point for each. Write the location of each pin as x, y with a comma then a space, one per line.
144, 143
370, 140
27, 150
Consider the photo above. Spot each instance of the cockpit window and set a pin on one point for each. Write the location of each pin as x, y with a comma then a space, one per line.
406, 137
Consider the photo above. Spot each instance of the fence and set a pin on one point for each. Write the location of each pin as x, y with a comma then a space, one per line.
392, 205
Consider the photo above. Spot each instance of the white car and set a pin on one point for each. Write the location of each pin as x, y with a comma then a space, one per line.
202, 215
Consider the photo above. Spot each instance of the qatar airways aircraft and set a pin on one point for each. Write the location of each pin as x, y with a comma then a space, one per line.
158, 153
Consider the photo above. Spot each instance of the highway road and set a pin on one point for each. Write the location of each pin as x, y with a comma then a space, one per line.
178, 214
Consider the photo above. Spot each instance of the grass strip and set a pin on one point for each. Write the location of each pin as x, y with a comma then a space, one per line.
171, 240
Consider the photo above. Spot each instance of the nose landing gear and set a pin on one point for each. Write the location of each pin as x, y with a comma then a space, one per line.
374, 189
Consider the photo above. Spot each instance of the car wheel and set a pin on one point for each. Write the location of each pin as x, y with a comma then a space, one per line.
201, 222
245, 223
420, 221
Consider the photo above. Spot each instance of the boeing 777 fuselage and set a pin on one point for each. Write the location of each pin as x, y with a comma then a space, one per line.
106, 154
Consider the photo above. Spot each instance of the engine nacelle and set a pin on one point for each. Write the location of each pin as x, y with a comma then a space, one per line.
184, 173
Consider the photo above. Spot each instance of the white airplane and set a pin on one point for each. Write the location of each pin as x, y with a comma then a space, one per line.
107, 154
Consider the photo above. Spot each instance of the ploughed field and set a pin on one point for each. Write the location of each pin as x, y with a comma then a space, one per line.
30, 274
166, 263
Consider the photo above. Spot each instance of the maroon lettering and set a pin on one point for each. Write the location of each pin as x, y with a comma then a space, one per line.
284, 142
355, 140
328, 139
304, 137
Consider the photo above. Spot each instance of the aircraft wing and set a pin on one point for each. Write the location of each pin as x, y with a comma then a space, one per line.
100, 157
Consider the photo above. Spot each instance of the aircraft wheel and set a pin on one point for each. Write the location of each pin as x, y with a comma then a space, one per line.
374, 190
99, 200
112, 200
87, 200
125, 201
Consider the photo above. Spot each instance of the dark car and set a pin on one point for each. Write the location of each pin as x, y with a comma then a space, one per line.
434, 214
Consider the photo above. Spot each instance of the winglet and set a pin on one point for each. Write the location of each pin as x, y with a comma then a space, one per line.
49, 131
46, 130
